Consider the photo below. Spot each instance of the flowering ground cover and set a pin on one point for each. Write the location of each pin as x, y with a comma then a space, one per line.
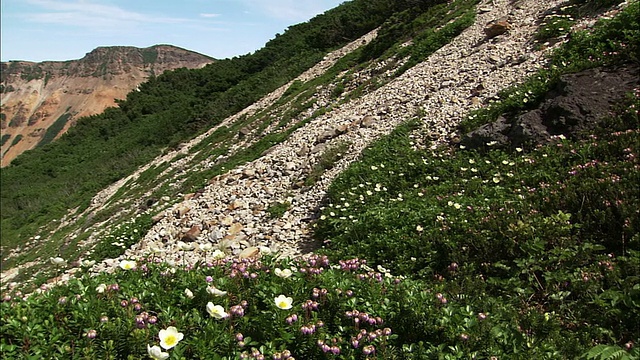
226, 308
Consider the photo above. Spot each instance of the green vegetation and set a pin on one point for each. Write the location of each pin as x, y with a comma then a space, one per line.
34, 72
54, 129
16, 140
523, 254
42, 184
121, 238
5, 137
327, 161
150, 55
278, 209
548, 238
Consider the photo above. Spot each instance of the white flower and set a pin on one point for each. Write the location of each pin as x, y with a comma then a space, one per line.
184, 246
215, 291
218, 255
283, 273
284, 302
170, 337
205, 247
57, 261
216, 311
88, 263
128, 264
156, 353
419, 228
188, 293
101, 288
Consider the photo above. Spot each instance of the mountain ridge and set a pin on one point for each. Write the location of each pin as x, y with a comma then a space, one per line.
41, 100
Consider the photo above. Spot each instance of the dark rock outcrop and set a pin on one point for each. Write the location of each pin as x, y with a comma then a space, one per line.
576, 105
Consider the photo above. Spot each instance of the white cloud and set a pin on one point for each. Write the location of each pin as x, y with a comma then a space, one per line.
92, 15
291, 10
209, 15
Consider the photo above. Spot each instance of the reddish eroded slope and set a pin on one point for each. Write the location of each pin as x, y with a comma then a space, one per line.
36, 96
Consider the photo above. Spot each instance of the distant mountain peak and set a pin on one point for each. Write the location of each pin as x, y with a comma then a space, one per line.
37, 95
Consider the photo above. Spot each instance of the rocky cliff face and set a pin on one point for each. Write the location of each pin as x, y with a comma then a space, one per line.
40, 101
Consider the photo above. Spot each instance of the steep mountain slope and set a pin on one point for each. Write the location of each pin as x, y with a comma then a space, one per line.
257, 178
41, 186
332, 111
231, 211
40, 101
521, 244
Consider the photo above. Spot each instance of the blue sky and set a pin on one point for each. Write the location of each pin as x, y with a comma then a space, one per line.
40, 30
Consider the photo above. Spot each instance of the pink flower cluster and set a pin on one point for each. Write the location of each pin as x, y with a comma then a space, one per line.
143, 319
326, 348
352, 264
363, 318
314, 264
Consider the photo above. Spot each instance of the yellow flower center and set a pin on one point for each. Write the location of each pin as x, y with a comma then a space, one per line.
170, 340
282, 304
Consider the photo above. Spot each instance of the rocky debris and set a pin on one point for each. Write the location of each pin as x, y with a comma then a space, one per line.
461, 65
367, 121
250, 252
181, 210
192, 234
248, 173
497, 28
574, 106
